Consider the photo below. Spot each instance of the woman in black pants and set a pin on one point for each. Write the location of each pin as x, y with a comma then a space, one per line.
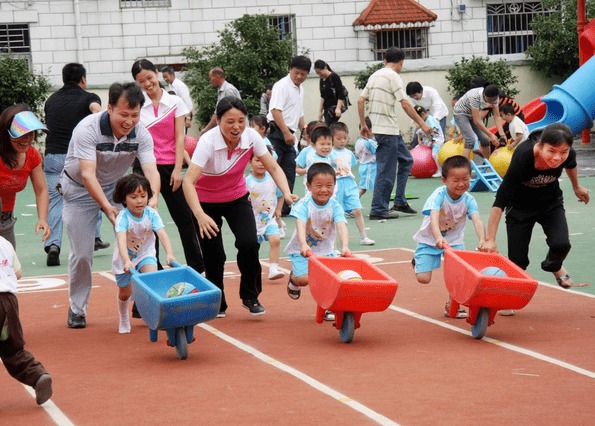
332, 97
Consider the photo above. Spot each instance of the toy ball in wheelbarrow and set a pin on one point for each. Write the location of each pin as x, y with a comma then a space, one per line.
485, 283
345, 294
176, 315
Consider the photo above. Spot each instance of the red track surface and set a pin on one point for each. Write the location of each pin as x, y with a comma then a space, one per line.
408, 365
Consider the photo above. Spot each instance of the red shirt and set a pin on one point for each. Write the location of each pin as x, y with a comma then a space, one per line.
13, 181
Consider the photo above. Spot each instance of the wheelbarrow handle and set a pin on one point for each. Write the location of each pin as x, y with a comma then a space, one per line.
175, 264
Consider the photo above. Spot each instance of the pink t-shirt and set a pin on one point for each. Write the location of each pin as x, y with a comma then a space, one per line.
222, 179
14, 181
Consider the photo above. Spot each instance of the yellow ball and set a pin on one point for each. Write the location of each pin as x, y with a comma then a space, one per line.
450, 149
500, 160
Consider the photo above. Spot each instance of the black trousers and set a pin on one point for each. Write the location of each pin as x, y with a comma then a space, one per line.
519, 228
240, 218
286, 156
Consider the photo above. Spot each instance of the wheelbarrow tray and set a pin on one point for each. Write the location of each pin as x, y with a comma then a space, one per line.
373, 293
467, 286
161, 312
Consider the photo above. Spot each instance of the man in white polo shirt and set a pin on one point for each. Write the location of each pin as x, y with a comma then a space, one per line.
384, 91
286, 116
102, 149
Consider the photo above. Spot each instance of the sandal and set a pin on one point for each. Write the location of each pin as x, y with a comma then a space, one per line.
294, 294
461, 313
564, 281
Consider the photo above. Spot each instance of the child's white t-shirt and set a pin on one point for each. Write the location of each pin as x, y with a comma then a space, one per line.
517, 126
453, 215
365, 150
263, 194
9, 263
344, 158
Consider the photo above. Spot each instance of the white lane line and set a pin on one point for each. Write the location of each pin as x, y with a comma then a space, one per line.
52, 409
321, 387
504, 345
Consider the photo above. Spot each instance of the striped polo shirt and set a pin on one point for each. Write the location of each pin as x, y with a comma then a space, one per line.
384, 91
471, 100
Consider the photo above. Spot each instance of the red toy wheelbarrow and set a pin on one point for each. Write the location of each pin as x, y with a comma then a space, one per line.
348, 299
484, 295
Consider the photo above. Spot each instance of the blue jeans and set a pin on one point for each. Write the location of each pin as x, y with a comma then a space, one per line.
391, 150
53, 165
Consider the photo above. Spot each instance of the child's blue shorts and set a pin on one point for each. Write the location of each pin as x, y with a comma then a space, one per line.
347, 194
367, 176
427, 257
123, 280
272, 229
299, 263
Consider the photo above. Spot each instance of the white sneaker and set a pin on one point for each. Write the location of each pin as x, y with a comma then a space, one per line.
124, 327
282, 229
367, 241
329, 316
275, 274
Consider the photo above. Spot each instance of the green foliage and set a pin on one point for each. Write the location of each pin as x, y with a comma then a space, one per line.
497, 72
18, 84
251, 54
361, 78
555, 51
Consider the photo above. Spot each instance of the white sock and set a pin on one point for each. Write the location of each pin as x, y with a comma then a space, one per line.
273, 267
124, 317
363, 235
293, 287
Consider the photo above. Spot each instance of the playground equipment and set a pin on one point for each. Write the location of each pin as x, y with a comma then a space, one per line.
500, 160
424, 165
451, 148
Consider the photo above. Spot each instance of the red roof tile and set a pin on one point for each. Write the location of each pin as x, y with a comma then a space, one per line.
391, 12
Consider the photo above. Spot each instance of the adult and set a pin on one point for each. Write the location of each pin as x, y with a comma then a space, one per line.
332, 96
102, 149
163, 115
224, 89
468, 116
79, 103
383, 92
215, 188
286, 116
265, 98
20, 161
430, 99
530, 193
177, 86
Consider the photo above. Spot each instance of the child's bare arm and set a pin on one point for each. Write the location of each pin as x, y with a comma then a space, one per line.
343, 238
300, 170
123, 251
517, 140
479, 229
279, 206
435, 228
164, 240
300, 227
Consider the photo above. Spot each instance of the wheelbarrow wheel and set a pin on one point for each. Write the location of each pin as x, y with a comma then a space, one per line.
181, 343
347, 328
478, 330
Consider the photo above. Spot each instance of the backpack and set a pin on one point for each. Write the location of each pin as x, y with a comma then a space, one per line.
347, 103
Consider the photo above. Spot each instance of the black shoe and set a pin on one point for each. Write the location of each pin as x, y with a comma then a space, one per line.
254, 307
99, 245
53, 258
76, 321
135, 312
43, 388
405, 208
390, 215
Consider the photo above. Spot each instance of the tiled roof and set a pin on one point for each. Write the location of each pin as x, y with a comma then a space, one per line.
386, 14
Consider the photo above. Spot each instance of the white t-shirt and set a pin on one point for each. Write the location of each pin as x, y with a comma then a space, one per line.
9, 264
263, 194
432, 102
288, 98
517, 126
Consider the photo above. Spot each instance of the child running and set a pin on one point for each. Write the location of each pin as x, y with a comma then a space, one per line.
445, 213
267, 202
136, 226
317, 215
365, 152
321, 151
435, 140
347, 192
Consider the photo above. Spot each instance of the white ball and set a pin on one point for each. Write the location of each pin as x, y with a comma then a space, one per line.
348, 274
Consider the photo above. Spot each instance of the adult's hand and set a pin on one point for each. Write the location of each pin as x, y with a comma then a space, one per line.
42, 224
176, 180
289, 138
207, 226
111, 212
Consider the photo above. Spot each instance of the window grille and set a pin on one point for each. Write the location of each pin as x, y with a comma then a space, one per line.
413, 41
14, 38
129, 4
285, 24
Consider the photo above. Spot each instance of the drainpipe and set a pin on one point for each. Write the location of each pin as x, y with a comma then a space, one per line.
77, 31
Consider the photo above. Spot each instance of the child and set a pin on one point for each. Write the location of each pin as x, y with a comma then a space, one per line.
435, 140
267, 202
347, 193
316, 215
19, 363
365, 152
518, 130
444, 220
321, 151
136, 226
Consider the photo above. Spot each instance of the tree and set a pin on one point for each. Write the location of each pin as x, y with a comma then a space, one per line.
496, 72
18, 84
250, 52
361, 78
555, 51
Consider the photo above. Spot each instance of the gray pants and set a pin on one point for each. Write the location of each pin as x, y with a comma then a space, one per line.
470, 131
80, 216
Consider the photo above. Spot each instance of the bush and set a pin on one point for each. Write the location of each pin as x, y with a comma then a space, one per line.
361, 78
497, 72
18, 84
251, 54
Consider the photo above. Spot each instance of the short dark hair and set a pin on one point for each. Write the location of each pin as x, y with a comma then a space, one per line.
73, 73
140, 65
368, 122
301, 62
413, 88
168, 69
128, 184
556, 134
394, 55
269, 86
320, 169
339, 126
507, 109
260, 120
491, 91
132, 93
314, 124
228, 103
320, 132
477, 81
455, 162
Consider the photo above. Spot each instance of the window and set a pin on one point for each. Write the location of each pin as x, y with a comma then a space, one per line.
414, 42
509, 26
14, 38
128, 4
285, 24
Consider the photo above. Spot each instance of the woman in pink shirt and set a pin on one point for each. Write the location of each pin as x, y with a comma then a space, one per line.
215, 188
19, 161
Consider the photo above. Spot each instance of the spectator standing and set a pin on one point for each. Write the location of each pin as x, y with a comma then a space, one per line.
265, 98
332, 96
79, 103
224, 89
383, 92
